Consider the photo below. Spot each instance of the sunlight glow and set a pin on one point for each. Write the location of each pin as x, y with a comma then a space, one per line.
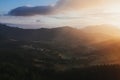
113, 8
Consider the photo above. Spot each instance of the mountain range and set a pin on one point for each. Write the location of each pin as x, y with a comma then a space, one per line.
89, 34
91, 45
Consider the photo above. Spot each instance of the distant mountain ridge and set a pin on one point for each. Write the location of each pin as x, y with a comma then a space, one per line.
88, 34
89, 45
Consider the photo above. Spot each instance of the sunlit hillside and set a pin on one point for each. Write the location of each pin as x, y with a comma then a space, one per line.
92, 45
53, 51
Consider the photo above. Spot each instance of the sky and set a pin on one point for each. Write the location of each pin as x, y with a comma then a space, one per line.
57, 13
7, 5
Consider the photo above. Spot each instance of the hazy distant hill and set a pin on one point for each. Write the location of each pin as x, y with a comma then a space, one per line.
89, 45
62, 34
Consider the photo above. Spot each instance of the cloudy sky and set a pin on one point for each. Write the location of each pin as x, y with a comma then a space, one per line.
56, 13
